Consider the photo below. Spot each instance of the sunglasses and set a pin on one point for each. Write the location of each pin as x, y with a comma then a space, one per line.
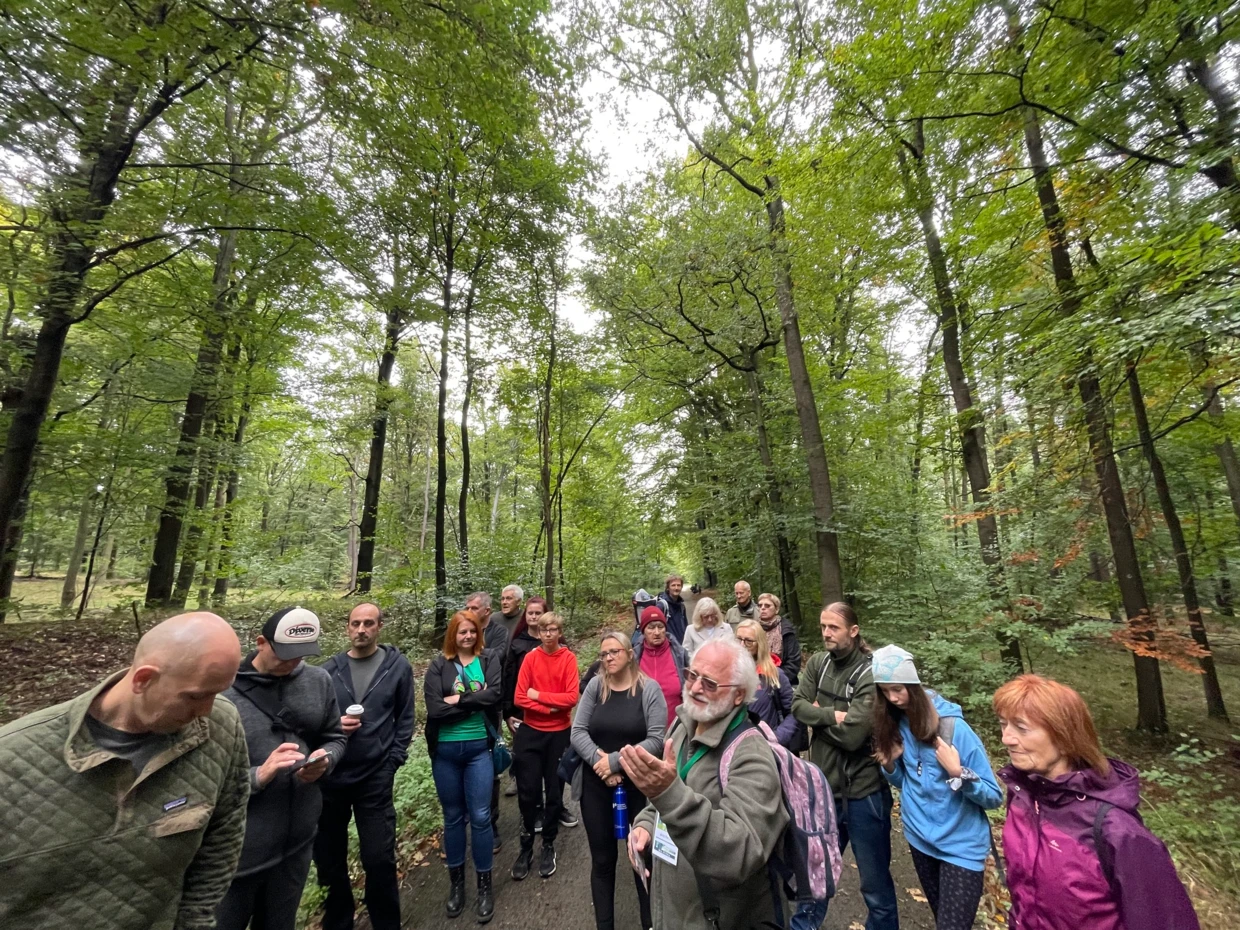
709, 684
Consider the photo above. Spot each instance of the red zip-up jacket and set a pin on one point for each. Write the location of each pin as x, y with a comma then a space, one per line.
554, 677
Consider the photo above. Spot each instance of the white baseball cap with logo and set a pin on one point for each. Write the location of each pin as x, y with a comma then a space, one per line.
293, 633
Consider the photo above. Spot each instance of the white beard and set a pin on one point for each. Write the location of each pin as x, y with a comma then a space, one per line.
714, 710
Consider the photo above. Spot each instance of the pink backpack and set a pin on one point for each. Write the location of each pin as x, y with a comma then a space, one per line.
807, 857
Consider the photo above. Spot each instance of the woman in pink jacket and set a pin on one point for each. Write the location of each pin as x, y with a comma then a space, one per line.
1078, 855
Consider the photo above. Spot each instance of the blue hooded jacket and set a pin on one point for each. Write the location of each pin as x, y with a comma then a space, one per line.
946, 824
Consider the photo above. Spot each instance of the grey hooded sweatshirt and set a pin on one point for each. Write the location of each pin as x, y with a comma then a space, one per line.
296, 708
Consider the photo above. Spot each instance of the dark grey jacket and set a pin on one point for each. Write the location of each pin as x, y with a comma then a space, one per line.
297, 708
381, 743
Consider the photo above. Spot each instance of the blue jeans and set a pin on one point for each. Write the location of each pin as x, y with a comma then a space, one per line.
867, 822
463, 776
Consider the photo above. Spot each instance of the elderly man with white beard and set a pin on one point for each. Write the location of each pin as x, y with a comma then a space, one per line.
694, 840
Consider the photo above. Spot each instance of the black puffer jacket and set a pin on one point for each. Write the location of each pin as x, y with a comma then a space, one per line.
522, 645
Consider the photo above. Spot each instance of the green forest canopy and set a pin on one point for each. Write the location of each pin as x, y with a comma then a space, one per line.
934, 308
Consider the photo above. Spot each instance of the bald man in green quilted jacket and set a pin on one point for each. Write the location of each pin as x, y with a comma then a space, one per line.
124, 808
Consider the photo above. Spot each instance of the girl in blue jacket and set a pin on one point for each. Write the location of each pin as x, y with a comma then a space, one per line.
946, 786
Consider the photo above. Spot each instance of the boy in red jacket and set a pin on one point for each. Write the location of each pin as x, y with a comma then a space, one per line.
547, 690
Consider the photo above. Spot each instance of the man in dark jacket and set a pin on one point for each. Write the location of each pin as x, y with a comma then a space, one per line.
673, 606
290, 716
379, 680
835, 698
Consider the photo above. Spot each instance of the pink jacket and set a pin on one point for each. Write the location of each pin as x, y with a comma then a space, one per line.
1056, 873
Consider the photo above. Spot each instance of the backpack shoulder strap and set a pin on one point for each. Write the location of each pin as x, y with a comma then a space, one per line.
947, 729
1100, 845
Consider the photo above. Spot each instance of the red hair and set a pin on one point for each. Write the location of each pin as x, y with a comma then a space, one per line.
449, 638
1060, 711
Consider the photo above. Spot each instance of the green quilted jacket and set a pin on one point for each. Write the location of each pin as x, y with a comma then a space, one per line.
85, 845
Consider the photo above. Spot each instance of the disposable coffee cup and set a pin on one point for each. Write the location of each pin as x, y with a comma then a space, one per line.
354, 710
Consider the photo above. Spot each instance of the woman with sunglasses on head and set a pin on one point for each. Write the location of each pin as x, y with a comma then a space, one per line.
547, 691
780, 633
1078, 855
773, 702
926, 749
708, 624
463, 691
620, 707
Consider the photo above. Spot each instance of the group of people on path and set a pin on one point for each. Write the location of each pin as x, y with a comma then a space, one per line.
147, 803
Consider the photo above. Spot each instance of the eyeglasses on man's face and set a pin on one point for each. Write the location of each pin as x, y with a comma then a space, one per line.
711, 686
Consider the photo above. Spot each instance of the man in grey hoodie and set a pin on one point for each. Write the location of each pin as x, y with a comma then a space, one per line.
292, 727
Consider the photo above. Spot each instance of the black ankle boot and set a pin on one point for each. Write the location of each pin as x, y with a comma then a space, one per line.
456, 893
484, 907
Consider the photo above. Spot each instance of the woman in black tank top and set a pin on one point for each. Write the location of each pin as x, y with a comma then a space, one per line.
620, 707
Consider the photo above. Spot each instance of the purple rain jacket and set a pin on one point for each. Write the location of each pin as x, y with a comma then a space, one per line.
1054, 872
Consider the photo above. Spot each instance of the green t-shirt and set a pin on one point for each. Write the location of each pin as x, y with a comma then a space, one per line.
473, 726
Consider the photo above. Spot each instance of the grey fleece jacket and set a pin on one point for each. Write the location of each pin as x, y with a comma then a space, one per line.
297, 708
654, 706
726, 838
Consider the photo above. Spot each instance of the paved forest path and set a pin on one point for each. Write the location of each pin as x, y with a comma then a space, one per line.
562, 902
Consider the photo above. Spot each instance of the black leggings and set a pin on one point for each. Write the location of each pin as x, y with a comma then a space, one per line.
953, 892
535, 759
596, 816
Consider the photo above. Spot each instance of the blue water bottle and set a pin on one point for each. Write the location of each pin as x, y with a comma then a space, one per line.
620, 812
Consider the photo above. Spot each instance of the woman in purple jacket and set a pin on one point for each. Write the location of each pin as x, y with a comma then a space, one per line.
1078, 855
773, 702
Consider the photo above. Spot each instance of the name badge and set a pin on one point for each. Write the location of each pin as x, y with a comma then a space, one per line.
664, 848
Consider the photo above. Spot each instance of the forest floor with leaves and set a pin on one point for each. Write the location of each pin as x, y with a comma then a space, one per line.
1191, 779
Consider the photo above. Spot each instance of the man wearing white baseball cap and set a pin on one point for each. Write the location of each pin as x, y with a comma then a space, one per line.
292, 726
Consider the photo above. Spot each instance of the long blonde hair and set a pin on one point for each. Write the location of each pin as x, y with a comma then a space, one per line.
639, 677
766, 665
706, 605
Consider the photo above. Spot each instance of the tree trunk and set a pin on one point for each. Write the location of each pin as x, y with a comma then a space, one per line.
352, 537
378, 442
68, 591
159, 587
783, 546
203, 486
12, 550
1183, 563
544, 470
830, 574
107, 560
970, 420
441, 474
1223, 448
1151, 706
223, 569
463, 503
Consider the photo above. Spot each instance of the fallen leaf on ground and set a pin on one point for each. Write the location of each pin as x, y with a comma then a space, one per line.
916, 894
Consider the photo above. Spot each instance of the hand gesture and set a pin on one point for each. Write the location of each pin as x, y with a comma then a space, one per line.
639, 842
949, 758
841, 716
314, 769
612, 780
452, 699
532, 694
349, 724
889, 761
602, 767
284, 756
649, 775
